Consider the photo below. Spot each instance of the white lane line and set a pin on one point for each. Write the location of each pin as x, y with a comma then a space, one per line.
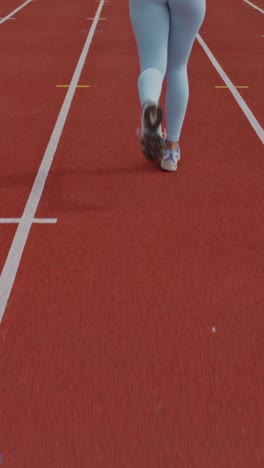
254, 6
12, 263
35, 221
241, 102
14, 11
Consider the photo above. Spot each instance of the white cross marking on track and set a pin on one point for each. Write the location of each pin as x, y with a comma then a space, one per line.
35, 220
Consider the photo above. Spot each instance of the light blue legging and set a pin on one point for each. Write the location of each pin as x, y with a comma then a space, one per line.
165, 31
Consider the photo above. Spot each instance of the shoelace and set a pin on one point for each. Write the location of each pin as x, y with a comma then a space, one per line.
170, 155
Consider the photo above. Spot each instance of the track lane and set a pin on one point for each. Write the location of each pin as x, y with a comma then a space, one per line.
34, 60
14, 257
113, 357
233, 32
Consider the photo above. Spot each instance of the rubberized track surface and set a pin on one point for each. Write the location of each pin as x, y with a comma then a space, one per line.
133, 335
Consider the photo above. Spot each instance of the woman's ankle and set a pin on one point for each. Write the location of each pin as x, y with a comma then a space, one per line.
172, 145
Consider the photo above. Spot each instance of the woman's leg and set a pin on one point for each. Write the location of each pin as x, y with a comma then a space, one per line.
186, 17
151, 22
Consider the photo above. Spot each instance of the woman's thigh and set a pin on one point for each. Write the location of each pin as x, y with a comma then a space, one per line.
186, 17
151, 24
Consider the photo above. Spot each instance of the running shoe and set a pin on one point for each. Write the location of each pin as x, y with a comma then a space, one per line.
152, 142
170, 159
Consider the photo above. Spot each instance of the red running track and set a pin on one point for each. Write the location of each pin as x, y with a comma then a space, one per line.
133, 336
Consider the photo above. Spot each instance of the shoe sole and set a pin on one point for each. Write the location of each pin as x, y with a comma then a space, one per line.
152, 144
168, 168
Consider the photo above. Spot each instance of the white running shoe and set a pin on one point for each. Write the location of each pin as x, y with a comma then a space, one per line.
170, 159
152, 142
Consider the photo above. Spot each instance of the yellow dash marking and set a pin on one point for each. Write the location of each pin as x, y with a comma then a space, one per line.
226, 87
78, 86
